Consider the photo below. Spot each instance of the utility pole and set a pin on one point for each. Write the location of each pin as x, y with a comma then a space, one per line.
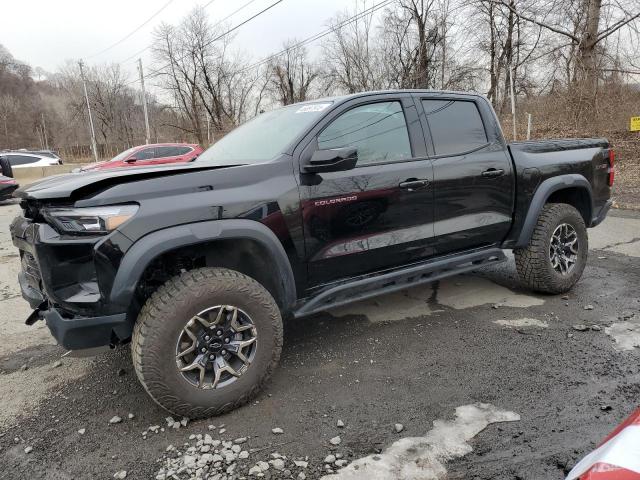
86, 97
513, 102
208, 129
144, 103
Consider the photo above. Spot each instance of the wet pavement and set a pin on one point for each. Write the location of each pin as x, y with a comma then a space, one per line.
479, 344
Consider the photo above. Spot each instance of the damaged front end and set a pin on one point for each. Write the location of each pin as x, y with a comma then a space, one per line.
66, 278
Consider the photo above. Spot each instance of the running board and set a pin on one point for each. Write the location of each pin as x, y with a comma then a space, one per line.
371, 286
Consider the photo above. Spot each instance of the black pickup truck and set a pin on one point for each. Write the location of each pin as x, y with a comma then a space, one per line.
299, 210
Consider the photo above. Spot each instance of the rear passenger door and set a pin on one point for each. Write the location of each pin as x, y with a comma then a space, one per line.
473, 177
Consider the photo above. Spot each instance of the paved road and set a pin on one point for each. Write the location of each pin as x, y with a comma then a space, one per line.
500, 371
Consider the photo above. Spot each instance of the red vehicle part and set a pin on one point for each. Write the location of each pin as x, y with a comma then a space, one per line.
616, 458
155, 154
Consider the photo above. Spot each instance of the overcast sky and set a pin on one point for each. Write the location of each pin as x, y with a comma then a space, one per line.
45, 33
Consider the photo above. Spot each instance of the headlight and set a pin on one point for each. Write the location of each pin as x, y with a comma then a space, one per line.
98, 220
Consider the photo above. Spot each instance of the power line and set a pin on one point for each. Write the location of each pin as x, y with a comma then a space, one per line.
139, 52
322, 34
159, 70
132, 32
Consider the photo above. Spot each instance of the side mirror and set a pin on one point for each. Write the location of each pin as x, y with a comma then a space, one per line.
131, 160
333, 160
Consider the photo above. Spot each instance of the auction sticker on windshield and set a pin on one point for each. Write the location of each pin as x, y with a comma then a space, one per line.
314, 107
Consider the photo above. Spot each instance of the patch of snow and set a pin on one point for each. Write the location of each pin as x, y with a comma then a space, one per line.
423, 458
522, 323
626, 334
467, 292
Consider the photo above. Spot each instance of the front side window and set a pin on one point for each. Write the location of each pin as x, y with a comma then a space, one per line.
377, 130
145, 154
456, 126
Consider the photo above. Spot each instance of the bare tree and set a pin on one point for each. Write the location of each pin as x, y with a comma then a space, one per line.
9, 106
292, 75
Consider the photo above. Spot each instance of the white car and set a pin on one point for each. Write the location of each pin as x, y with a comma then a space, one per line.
31, 159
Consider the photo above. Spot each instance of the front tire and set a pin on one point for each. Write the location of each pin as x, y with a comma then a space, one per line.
193, 377
556, 256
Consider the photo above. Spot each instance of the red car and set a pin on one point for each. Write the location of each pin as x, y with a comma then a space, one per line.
155, 154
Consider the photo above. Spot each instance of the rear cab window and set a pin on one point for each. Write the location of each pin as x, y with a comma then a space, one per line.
456, 126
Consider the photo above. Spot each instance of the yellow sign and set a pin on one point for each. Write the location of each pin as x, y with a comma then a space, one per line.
634, 124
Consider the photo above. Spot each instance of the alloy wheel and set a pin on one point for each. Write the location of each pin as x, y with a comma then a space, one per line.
216, 347
563, 249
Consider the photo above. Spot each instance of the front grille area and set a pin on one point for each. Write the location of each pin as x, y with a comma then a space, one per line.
31, 270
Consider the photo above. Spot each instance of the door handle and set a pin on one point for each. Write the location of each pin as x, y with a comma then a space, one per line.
414, 183
493, 172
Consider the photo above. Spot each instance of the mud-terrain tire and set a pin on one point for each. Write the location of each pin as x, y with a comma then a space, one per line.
164, 318
5, 167
534, 263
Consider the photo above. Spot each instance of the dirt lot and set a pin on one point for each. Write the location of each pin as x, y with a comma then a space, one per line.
552, 388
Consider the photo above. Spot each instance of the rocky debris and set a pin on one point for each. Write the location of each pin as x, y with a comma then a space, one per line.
335, 441
330, 458
172, 423
596, 328
131, 416
82, 430
340, 424
115, 419
580, 328
120, 475
605, 408
24, 367
277, 431
588, 307
28, 450
204, 457
57, 364
398, 427
302, 476
122, 372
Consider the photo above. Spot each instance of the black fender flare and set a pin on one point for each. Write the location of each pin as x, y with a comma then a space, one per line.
149, 247
544, 191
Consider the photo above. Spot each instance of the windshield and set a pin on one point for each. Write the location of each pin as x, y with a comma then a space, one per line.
264, 137
123, 155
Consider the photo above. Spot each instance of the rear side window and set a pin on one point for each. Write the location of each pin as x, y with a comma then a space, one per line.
164, 152
181, 150
456, 126
22, 159
377, 130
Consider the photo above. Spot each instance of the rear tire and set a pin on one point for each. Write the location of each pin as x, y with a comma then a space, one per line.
538, 265
5, 167
164, 320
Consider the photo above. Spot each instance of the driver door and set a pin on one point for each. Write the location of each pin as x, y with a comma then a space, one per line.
380, 213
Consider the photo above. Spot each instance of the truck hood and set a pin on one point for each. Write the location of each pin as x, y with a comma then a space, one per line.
69, 185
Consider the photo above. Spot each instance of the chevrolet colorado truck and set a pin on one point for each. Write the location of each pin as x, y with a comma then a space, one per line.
301, 209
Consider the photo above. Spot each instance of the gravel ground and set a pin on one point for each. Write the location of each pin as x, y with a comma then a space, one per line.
556, 374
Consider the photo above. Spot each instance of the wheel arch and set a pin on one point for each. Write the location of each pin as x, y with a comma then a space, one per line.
573, 189
243, 245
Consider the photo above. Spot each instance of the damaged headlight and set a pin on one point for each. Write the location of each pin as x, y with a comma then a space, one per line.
98, 220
